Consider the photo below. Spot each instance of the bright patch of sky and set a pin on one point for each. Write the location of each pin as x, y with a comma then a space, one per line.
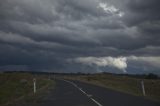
110, 9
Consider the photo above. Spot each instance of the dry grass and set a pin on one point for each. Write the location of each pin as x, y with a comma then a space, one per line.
124, 84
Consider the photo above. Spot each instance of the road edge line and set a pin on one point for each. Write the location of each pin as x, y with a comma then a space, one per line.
75, 85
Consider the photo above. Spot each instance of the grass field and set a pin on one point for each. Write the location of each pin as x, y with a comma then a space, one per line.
124, 84
15, 87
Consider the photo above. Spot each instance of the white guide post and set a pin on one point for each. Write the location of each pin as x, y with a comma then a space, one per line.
143, 89
34, 85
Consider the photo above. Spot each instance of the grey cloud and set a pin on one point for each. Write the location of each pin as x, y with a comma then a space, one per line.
45, 33
119, 62
32, 11
140, 11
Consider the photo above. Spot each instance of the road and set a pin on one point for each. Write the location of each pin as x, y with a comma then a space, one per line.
74, 93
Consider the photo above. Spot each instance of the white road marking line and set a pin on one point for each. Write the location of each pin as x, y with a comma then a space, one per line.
82, 91
96, 102
90, 96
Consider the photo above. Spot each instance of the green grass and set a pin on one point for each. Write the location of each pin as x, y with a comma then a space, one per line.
34, 99
19, 86
124, 84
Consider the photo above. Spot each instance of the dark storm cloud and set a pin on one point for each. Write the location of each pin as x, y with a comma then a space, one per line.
44, 34
147, 18
141, 11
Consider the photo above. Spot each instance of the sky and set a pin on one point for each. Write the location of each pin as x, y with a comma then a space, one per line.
91, 36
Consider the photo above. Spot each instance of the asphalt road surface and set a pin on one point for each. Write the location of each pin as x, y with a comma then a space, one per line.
74, 93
